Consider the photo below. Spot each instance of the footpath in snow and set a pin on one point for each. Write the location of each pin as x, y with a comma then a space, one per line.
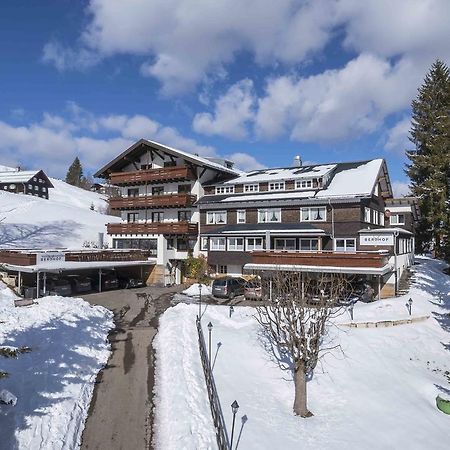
377, 392
55, 380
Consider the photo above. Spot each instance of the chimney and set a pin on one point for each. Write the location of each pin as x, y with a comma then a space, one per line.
297, 161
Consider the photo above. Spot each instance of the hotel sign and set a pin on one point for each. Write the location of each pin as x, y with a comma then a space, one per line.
376, 239
50, 259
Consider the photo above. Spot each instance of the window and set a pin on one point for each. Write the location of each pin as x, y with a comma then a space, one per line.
315, 214
182, 245
397, 219
309, 245
240, 216
158, 190
276, 186
269, 215
146, 166
170, 244
43, 189
30, 187
304, 184
235, 244
367, 215
375, 217
288, 244
345, 245
216, 217
36, 188
221, 269
204, 243
217, 243
381, 218
184, 188
34, 179
184, 216
157, 216
224, 189
254, 244
134, 192
251, 187
132, 217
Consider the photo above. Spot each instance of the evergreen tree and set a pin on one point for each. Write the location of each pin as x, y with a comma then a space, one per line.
75, 173
429, 168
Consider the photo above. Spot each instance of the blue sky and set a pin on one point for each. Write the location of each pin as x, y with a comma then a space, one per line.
257, 81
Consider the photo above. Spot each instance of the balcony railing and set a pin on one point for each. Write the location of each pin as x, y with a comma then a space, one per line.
153, 228
153, 201
165, 174
321, 258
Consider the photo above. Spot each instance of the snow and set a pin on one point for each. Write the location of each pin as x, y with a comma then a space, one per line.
357, 181
8, 169
64, 220
194, 290
269, 196
378, 391
54, 382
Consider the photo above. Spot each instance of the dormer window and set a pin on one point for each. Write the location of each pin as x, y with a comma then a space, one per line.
224, 189
251, 187
304, 184
276, 186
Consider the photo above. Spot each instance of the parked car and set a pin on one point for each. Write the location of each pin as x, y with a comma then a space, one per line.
252, 290
228, 287
109, 281
57, 286
130, 282
79, 284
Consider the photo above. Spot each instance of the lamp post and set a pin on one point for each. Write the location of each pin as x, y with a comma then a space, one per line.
409, 305
231, 310
200, 302
234, 409
210, 327
350, 310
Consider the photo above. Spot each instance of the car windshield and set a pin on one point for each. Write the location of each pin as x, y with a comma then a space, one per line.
220, 283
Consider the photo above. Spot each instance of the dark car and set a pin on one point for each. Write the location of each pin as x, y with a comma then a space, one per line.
228, 287
130, 282
79, 284
57, 286
109, 281
252, 290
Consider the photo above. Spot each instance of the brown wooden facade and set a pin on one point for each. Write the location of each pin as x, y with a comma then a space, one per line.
162, 175
168, 228
152, 201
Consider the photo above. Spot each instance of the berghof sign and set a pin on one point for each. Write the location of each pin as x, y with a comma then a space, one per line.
50, 259
376, 239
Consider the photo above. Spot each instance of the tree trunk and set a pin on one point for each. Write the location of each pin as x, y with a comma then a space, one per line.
300, 401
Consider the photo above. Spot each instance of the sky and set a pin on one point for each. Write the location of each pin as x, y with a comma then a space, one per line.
255, 81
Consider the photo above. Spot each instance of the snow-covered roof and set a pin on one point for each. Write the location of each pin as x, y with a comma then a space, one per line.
283, 173
19, 176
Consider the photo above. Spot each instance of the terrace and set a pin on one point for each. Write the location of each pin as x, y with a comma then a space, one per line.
166, 174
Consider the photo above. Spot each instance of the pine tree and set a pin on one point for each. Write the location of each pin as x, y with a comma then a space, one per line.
429, 169
75, 173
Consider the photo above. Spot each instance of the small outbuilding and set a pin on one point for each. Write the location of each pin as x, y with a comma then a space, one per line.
28, 182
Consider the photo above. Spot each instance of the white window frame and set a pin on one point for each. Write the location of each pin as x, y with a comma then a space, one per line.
309, 211
224, 190
238, 219
204, 243
251, 187
217, 244
367, 215
310, 245
233, 246
396, 215
375, 217
276, 240
382, 218
267, 215
276, 186
345, 248
212, 217
250, 247
304, 184
219, 269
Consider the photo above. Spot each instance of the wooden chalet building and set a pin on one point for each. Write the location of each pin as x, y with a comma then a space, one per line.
158, 187
316, 218
28, 182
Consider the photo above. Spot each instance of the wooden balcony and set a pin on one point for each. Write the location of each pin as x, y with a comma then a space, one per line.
153, 201
166, 174
175, 228
321, 259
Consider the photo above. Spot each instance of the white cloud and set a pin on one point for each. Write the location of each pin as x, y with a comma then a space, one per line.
400, 188
245, 162
232, 113
397, 137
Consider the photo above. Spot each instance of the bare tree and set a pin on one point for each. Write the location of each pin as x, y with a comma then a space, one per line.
295, 316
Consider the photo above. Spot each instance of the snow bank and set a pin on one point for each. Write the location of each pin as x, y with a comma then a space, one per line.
194, 290
378, 392
54, 382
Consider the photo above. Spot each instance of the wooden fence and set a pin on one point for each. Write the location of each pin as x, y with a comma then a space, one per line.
216, 410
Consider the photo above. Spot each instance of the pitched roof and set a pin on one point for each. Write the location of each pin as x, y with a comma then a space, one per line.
23, 176
142, 146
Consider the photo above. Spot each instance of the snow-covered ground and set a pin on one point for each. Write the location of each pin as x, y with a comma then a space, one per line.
194, 290
64, 220
378, 392
54, 382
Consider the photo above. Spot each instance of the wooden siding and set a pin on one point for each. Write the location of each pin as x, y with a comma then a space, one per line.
165, 174
153, 201
153, 228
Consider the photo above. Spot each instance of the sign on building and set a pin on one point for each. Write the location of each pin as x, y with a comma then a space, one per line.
376, 239
50, 259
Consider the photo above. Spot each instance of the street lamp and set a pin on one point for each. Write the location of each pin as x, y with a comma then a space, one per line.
200, 302
231, 310
210, 327
234, 409
409, 305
